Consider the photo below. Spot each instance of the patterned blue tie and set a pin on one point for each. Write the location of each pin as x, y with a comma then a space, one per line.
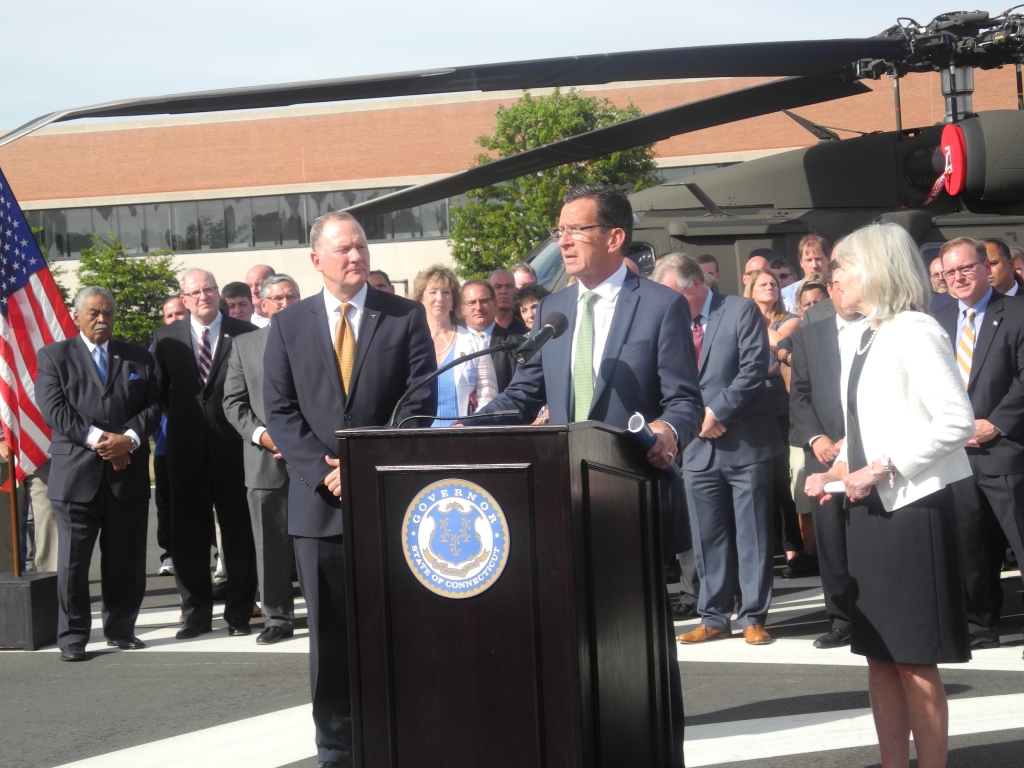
100, 359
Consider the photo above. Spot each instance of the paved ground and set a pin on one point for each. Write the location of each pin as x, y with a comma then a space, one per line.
223, 701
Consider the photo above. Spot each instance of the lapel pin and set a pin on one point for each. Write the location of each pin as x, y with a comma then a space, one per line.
226, 336
117, 357
995, 322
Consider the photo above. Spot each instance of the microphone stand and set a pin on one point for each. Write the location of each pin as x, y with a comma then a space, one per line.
502, 347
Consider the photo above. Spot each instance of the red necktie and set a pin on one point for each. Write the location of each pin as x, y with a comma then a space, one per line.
698, 337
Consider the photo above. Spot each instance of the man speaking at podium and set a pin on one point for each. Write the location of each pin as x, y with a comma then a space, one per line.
337, 360
630, 351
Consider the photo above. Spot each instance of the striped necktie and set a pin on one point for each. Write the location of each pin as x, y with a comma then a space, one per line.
100, 359
965, 348
583, 365
344, 347
205, 356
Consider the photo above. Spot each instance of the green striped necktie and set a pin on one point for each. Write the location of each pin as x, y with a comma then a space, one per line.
583, 367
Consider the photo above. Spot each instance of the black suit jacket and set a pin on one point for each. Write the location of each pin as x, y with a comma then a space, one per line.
504, 362
199, 435
996, 386
72, 398
304, 402
815, 404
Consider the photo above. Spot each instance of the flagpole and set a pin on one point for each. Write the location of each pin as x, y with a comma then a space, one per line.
15, 540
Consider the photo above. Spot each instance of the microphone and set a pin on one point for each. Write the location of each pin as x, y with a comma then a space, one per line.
460, 418
555, 325
646, 437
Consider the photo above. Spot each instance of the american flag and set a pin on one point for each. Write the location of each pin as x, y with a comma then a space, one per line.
32, 315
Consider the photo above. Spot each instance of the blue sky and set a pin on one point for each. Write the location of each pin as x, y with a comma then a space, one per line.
58, 54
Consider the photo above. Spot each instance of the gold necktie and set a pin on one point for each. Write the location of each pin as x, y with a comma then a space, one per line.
965, 349
344, 347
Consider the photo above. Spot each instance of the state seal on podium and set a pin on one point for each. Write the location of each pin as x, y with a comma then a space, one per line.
455, 538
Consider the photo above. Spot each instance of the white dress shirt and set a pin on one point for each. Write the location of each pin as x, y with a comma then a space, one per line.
1014, 290
259, 321
95, 433
487, 333
354, 313
604, 308
197, 336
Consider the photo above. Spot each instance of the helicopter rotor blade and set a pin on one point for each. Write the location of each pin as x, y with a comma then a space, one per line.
658, 126
771, 59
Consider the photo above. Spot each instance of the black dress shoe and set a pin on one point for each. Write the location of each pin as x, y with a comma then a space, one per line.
982, 642
271, 635
73, 652
129, 643
220, 592
801, 565
189, 631
682, 611
238, 630
836, 638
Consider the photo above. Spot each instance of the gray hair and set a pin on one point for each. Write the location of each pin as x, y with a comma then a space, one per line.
196, 271
93, 290
274, 280
318, 226
894, 276
685, 269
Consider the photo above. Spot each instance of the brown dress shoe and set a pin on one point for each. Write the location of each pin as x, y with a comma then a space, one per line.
703, 633
756, 634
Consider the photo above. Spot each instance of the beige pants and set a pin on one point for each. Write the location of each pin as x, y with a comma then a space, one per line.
796, 479
45, 558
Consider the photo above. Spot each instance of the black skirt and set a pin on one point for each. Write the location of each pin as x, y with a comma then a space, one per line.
907, 600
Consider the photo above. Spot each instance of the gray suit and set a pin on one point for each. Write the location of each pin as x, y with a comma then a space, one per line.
266, 479
729, 479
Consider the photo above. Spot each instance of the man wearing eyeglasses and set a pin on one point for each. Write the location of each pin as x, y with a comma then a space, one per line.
987, 333
204, 458
629, 350
479, 307
266, 474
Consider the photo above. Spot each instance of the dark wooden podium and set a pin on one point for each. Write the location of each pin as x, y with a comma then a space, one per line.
562, 660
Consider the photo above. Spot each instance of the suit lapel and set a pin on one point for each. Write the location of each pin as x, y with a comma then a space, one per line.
113, 364
714, 320
223, 350
324, 343
622, 319
182, 330
947, 317
367, 327
987, 332
86, 361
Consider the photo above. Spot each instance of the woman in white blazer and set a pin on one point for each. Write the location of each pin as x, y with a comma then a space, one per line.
907, 421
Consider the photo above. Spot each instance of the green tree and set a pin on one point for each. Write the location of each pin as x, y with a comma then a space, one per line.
498, 225
140, 285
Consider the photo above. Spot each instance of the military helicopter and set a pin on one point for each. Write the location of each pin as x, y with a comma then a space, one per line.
964, 176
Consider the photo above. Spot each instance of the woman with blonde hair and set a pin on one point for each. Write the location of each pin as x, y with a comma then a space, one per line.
467, 387
764, 290
907, 421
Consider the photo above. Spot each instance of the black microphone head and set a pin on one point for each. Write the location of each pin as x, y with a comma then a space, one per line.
558, 321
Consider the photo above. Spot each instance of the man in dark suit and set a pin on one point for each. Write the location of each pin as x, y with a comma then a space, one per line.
987, 333
479, 305
266, 474
727, 468
337, 360
818, 427
628, 352
204, 458
101, 400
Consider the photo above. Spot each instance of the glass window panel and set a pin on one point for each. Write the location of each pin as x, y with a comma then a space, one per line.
157, 232
294, 229
266, 222
211, 224
405, 223
55, 234
185, 232
79, 224
348, 197
238, 222
317, 204
377, 227
434, 219
104, 222
130, 225
35, 222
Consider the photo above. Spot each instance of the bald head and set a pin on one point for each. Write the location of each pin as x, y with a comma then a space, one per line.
755, 264
254, 279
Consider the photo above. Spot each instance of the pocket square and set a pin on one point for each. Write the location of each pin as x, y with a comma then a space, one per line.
133, 377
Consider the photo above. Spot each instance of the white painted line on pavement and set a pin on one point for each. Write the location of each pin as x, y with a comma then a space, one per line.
822, 731
243, 742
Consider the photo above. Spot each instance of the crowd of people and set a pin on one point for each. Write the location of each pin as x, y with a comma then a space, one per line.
838, 372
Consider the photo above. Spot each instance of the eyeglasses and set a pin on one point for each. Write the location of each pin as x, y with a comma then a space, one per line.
282, 299
576, 233
785, 275
963, 271
209, 291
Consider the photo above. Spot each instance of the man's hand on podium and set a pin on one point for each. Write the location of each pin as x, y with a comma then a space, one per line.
333, 479
663, 452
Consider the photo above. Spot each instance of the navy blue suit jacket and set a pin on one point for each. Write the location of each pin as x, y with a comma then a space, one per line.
304, 402
996, 385
733, 367
649, 364
72, 398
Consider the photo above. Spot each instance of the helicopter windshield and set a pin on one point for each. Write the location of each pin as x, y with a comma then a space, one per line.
547, 262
